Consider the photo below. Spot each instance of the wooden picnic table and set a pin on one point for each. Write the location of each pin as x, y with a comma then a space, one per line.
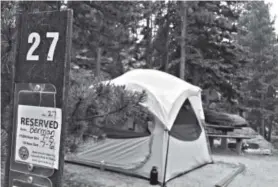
224, 136
224, 131
239, 140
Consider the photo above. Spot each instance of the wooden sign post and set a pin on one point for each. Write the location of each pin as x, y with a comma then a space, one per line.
40, 87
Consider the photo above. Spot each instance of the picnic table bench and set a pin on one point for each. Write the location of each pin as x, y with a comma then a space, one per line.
223, 128
239, 140
224, 131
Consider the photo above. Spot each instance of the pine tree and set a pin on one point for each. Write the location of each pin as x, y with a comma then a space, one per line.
257, 35
213, 58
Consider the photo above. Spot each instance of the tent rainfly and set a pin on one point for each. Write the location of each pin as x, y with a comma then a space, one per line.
177, 143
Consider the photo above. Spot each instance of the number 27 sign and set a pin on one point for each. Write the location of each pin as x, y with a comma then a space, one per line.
35, 39
43, 43
42, 40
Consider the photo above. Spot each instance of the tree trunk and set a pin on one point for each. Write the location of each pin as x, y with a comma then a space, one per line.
269, 132
262, 118
166, 49
196, 77
98, 64
149, 42
166, 56
59, 3
183, 44
262, 127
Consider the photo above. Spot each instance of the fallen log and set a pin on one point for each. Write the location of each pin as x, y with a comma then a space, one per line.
228, 179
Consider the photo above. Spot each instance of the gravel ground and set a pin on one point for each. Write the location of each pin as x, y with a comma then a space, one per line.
202, 177
260, 170
206, 176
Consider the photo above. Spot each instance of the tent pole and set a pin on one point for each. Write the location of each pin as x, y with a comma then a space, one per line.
166, 159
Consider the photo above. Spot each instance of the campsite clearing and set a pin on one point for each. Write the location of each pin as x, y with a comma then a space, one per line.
260, 171
177, 142
205, 176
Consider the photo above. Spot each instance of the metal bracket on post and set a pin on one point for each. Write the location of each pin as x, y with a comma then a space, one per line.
28, 96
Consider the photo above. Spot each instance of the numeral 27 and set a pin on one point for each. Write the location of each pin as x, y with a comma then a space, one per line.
35, 38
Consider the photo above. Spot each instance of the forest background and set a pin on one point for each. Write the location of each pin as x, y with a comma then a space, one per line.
229, 49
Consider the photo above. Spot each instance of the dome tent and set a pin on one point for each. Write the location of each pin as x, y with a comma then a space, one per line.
176, 145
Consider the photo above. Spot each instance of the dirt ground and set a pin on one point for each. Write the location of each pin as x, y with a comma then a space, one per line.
97, 178
260, 171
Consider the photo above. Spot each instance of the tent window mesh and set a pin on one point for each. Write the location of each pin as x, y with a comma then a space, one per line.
186, 126
129, 130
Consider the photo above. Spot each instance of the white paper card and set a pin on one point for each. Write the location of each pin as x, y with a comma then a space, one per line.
38, 135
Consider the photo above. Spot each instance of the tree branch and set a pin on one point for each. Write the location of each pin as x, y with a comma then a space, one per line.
101, 115
77, 106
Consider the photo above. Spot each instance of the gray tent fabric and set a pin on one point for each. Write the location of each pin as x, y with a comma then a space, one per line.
117, 153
